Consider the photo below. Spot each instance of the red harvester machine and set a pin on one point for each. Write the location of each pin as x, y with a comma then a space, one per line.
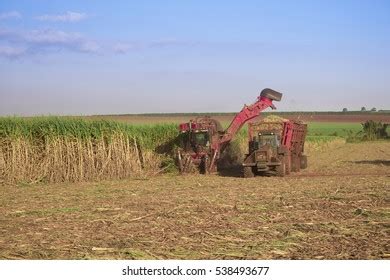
275, 147
203, 139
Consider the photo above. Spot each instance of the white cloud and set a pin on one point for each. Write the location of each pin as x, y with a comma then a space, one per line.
43, 41
90, 46
50, 36
67, 17
11, 52
10, 15
166, 42
123, 48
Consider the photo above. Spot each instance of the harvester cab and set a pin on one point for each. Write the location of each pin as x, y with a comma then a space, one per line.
200, 140
204, 139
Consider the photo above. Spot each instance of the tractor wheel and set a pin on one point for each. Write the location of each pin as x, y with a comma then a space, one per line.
248, 172
303, 162
281, 169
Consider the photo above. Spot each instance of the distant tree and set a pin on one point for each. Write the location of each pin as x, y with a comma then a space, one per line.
345, 110
373, 109
363, 109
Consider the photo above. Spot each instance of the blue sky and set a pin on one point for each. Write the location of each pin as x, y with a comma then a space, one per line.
102, 57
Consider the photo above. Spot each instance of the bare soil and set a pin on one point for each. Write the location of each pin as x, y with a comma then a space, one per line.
336, 209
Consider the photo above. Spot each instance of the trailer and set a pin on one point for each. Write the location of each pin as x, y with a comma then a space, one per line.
275, 148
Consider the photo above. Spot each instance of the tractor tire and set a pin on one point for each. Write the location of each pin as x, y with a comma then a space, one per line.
281, 169
271, 94
248, 172
303, 162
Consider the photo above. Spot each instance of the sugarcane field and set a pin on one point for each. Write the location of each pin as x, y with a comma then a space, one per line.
103, 188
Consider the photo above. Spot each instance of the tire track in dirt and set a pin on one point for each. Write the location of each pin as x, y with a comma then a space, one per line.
338, 175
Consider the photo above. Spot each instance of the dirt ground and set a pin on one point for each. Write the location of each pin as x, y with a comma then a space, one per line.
339, 208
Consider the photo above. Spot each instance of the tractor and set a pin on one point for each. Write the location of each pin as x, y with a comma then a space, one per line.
275, 148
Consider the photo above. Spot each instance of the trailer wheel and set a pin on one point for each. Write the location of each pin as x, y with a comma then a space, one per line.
295, 163
248, 172
287, 160
281, 169
303, 162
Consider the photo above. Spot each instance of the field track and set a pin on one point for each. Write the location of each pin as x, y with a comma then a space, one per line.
336, 175
325, 216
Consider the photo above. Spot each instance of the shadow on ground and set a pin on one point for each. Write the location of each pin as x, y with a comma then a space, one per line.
376, 162
231, 171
